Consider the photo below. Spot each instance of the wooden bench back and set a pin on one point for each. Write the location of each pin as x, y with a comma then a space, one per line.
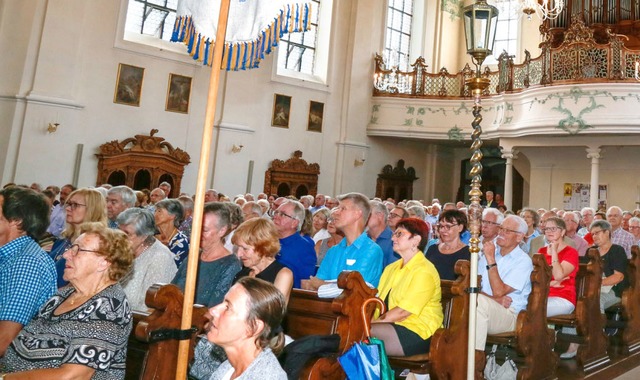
631, 305
454, 334
308, 314
158, 360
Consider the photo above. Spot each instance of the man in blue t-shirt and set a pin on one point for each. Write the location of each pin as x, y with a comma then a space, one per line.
296, 253
356, 251
27, 273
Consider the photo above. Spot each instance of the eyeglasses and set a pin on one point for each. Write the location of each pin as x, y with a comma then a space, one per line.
399, 234
551, 229
74, 205
490, 223
596, 232
74, 249
633, 227
445, 227
508, 231
394, 216
280, 213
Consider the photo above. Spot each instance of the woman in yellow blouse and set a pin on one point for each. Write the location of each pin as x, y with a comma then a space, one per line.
410, 288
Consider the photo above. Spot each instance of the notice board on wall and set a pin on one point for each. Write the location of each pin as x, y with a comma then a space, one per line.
576, 196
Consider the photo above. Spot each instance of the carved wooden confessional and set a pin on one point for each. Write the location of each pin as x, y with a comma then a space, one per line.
142, 162
292, 177
396, 183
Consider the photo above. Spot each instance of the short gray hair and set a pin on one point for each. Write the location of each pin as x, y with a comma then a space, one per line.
522, 225
128, 196
142, 221
377, 206
603, 224
587, 209
361, 201
173, 207
418, 211
255, 208
186, 202
493, 211
298, 212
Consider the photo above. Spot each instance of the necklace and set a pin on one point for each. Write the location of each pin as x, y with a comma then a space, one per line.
77, 296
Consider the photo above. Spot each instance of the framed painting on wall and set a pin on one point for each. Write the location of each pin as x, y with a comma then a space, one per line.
316, 114
178, 93
129, 85
281, 111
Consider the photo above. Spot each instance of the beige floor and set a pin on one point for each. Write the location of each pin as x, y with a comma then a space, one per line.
631, 375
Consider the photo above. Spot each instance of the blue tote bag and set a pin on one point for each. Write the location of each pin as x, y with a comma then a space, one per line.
367, 360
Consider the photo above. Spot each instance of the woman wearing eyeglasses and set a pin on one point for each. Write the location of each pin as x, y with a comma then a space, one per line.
450, 249
83, 205
563, 260
82, 331
335, 237
410, 287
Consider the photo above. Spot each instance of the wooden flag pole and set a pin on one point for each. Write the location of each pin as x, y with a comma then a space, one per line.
203, 168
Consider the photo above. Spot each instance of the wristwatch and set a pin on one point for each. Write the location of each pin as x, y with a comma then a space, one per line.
488, 267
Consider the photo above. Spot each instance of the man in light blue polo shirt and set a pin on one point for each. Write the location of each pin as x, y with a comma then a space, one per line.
27, 273
506, 281
356, 251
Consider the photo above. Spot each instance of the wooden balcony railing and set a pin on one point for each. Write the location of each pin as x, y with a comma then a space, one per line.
579, 59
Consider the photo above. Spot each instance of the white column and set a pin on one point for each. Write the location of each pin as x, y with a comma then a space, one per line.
594, 155
509, 155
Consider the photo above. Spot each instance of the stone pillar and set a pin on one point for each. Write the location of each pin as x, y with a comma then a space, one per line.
594, 155
509, 155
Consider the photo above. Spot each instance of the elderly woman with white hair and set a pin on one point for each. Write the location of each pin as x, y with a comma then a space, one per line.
153, 261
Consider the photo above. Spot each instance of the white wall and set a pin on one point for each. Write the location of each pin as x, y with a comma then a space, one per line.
76, 59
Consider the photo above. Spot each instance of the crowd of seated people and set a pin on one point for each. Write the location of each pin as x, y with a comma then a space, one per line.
115, 243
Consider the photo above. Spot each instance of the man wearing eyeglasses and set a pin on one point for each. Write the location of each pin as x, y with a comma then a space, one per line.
634, 228
296, 253
572, 221
618, 235
491, 220
27, 273
356, 252
506, 283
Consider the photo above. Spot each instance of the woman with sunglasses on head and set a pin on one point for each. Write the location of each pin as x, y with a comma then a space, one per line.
82, 331
335, 237
450, 249
410, 287
82, 206
563, 260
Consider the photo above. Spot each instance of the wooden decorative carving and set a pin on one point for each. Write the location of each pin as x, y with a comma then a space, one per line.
142, 162
292, 177
396, 183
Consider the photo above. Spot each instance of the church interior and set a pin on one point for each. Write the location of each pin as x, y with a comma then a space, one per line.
66, 93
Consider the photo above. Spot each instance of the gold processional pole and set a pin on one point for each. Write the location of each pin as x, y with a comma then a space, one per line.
480, 29
203, 168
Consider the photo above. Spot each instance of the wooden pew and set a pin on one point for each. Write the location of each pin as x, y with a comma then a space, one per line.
587, 318
151, 351
532, 340
628, 340
307, 314
439, 363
